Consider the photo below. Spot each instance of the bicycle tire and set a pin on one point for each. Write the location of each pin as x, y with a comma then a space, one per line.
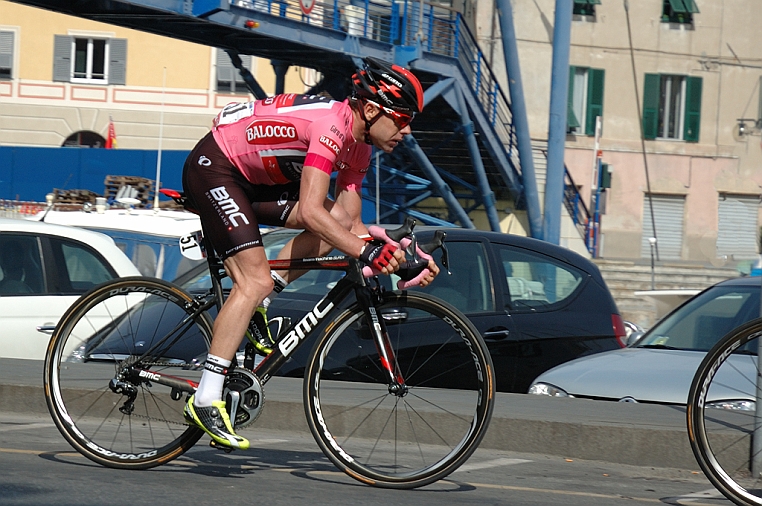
105, 330
721, 415
406, 441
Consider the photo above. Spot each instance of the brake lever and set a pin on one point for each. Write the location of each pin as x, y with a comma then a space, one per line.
411, 248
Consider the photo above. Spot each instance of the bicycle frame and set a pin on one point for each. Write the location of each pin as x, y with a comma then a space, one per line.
298, 332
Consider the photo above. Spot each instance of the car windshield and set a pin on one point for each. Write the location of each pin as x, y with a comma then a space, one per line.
702, 321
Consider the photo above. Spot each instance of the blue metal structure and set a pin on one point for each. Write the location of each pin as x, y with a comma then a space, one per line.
465, 149
559, 88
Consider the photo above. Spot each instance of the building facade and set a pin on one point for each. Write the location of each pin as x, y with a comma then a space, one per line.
63, 79
677, 86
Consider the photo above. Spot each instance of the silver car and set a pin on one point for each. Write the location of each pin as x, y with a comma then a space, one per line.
660, 365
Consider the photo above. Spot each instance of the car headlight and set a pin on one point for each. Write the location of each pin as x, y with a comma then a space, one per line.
732, 405
547, 389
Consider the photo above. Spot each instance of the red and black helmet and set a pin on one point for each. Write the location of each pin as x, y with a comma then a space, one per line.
389, 85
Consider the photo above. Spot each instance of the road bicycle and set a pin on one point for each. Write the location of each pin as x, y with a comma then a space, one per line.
126, 355
725, 418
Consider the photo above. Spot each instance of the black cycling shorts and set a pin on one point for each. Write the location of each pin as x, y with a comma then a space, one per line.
231, 208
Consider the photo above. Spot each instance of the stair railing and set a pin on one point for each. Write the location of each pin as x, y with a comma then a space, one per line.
441, 30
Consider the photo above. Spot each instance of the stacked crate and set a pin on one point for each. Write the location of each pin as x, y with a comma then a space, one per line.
137, 187
76, 197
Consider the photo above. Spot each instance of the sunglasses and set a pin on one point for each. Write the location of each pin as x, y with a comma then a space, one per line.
400, 120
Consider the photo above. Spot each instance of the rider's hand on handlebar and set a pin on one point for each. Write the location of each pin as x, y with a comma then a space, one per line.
433, 271
385, 258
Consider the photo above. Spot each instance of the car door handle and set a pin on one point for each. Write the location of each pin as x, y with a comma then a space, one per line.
46, 329
497, 335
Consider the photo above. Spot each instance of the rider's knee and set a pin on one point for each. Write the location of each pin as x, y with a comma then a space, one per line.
254, 286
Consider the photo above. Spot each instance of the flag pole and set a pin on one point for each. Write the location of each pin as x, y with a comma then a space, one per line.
161, 132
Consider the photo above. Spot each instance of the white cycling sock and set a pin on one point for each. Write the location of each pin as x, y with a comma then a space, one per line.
210, 387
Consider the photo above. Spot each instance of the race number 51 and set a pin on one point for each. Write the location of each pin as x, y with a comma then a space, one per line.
190, 246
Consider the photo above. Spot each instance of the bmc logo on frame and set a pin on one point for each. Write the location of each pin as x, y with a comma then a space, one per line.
270, 131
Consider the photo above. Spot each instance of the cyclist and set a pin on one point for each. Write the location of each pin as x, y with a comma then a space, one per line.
270, 162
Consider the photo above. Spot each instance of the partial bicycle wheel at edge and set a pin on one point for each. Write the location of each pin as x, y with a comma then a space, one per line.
400, 441
102, 403
721, 415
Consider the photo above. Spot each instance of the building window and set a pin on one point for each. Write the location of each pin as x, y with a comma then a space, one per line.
585, 99
678, 11
672, 107
229, 79
6, 55
90, 60
585, 7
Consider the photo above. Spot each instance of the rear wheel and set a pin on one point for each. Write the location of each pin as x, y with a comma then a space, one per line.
723, 405
102, 366
387, 437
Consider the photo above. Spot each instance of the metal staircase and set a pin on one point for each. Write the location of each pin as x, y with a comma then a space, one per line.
463, 148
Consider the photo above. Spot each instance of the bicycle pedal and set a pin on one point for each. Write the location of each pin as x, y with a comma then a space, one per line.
215, 444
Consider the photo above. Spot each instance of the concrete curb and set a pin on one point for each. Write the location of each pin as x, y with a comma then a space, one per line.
623, 433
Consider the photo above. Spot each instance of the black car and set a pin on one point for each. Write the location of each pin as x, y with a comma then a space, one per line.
536, 304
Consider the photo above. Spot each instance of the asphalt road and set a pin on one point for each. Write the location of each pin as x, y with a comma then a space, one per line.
287, 468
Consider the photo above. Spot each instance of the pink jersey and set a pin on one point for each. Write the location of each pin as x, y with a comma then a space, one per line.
271, 140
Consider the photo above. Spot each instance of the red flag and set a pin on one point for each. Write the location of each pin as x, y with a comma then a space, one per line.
111, 139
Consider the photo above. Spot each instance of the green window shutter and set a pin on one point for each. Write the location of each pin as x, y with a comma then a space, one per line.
117, 71
677, 6
571, 118
595, 78
651, 96
594, 2
62, 58
690, 6
692, 109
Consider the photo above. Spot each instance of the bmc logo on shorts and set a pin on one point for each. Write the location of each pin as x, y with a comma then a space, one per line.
270, 131
227, 207
330, 144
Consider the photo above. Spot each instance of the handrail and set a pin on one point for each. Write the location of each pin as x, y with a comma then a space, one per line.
397, 22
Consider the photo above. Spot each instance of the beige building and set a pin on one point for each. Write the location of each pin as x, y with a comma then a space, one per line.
63, 77
690, 71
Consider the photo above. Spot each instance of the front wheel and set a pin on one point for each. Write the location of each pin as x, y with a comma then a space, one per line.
107, 364
393, 438
722, 408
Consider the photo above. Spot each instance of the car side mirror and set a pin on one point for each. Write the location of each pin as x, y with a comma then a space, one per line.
634, 337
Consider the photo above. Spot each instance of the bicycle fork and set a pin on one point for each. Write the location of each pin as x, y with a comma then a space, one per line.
368, 299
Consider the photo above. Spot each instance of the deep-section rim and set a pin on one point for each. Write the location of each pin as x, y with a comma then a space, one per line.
467, 445
697, 433
53, 398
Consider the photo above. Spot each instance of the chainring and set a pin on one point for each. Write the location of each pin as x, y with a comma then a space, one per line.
243, 396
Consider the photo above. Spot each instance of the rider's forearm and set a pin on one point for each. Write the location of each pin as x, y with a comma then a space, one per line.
313, 216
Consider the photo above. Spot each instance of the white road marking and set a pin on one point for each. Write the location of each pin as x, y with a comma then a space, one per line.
694, 499
490, 463
25, 426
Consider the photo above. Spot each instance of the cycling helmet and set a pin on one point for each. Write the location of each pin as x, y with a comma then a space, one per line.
389, 85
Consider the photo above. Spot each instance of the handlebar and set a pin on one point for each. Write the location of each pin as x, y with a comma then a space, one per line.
415, 267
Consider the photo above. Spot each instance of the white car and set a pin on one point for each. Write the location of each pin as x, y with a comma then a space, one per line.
150, 239
43, 269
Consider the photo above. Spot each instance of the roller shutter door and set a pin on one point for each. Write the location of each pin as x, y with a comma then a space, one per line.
737, 228
668, 214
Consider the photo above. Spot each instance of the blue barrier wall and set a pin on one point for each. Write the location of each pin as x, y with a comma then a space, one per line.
31, 173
